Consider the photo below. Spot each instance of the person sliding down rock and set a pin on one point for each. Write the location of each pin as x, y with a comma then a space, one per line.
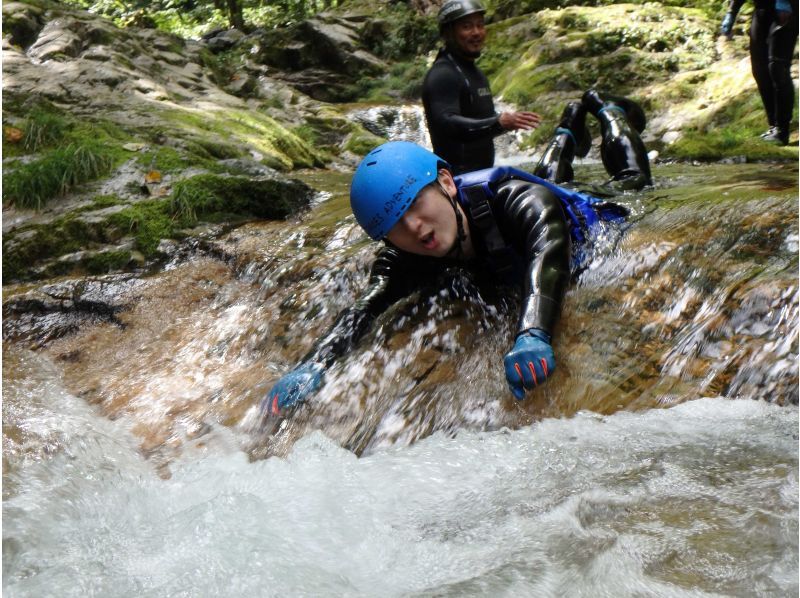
502, 224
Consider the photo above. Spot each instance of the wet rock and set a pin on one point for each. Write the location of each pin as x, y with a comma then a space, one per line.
220, 40
320, 56
48, 312
97, 53
172, 58
57, 39
22, 22
670, 137
242, 85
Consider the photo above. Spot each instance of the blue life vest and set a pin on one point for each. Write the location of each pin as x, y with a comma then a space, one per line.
583, 211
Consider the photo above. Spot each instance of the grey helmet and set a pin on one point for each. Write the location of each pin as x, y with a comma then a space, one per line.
452, 10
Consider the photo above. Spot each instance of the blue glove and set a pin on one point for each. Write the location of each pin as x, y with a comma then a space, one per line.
292, 388
530, 362
727, 24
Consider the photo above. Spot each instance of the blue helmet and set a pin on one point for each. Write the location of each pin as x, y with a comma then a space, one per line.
387, 181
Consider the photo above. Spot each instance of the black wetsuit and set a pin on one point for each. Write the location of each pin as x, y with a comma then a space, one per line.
460, 113
532, 222
771, 51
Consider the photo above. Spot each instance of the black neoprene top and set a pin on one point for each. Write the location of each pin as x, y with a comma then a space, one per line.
460, 113
532, 222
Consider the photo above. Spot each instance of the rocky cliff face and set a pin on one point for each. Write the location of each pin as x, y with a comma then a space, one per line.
121, 142
122, 139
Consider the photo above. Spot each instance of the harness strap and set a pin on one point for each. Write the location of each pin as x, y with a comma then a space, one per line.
480, 210
477, 188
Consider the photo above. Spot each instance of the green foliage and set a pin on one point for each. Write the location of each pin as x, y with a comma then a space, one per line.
400, 33
503, 9
404, 81
193, 18
43, 127
33, 184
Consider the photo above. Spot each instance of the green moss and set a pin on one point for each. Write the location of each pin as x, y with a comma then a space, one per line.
725, 143
149, 222
361, 142
26, 246
107, 261
206, 196
225, 131
621, 47
165, 159
105, 201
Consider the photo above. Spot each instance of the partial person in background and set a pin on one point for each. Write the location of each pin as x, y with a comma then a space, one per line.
773, 36
458, 103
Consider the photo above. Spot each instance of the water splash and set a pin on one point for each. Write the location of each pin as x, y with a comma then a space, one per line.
667, 499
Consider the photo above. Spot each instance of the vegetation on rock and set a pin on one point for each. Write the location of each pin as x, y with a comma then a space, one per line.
215, 120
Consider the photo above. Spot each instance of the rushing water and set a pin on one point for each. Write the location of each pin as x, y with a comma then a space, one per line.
660, 460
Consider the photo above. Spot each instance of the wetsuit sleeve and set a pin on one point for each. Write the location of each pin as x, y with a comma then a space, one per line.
532, 220
443, 89
387, 284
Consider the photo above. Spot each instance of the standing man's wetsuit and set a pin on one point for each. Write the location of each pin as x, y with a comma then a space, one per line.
460, 112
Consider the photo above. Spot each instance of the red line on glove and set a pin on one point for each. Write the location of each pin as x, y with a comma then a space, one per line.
533, 372
544, 366
275, 409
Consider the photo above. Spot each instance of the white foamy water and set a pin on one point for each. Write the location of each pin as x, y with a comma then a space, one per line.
696, 500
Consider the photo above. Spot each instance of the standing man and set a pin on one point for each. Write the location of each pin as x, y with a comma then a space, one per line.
458, 102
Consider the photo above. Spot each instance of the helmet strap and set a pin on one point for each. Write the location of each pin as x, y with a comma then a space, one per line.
461, 234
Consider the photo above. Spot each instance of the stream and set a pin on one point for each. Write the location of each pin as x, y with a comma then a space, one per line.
660, 460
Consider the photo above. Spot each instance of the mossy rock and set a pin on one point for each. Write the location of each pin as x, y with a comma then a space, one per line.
361, 142
89, 233
210, 196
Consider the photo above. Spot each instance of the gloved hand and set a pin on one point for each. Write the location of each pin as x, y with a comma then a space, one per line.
529, 362
727, 24
292, 388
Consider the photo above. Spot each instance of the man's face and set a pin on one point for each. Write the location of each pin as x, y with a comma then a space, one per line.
469, 34
429, 225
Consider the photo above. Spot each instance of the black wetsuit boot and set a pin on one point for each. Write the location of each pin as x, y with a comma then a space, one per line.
622, 150
569, 140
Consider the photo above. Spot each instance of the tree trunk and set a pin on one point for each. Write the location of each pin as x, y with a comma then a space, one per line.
235, 15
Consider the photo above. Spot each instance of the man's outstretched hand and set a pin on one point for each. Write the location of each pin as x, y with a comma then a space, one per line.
512, 121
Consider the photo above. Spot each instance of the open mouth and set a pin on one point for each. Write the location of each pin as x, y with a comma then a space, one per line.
429, 240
